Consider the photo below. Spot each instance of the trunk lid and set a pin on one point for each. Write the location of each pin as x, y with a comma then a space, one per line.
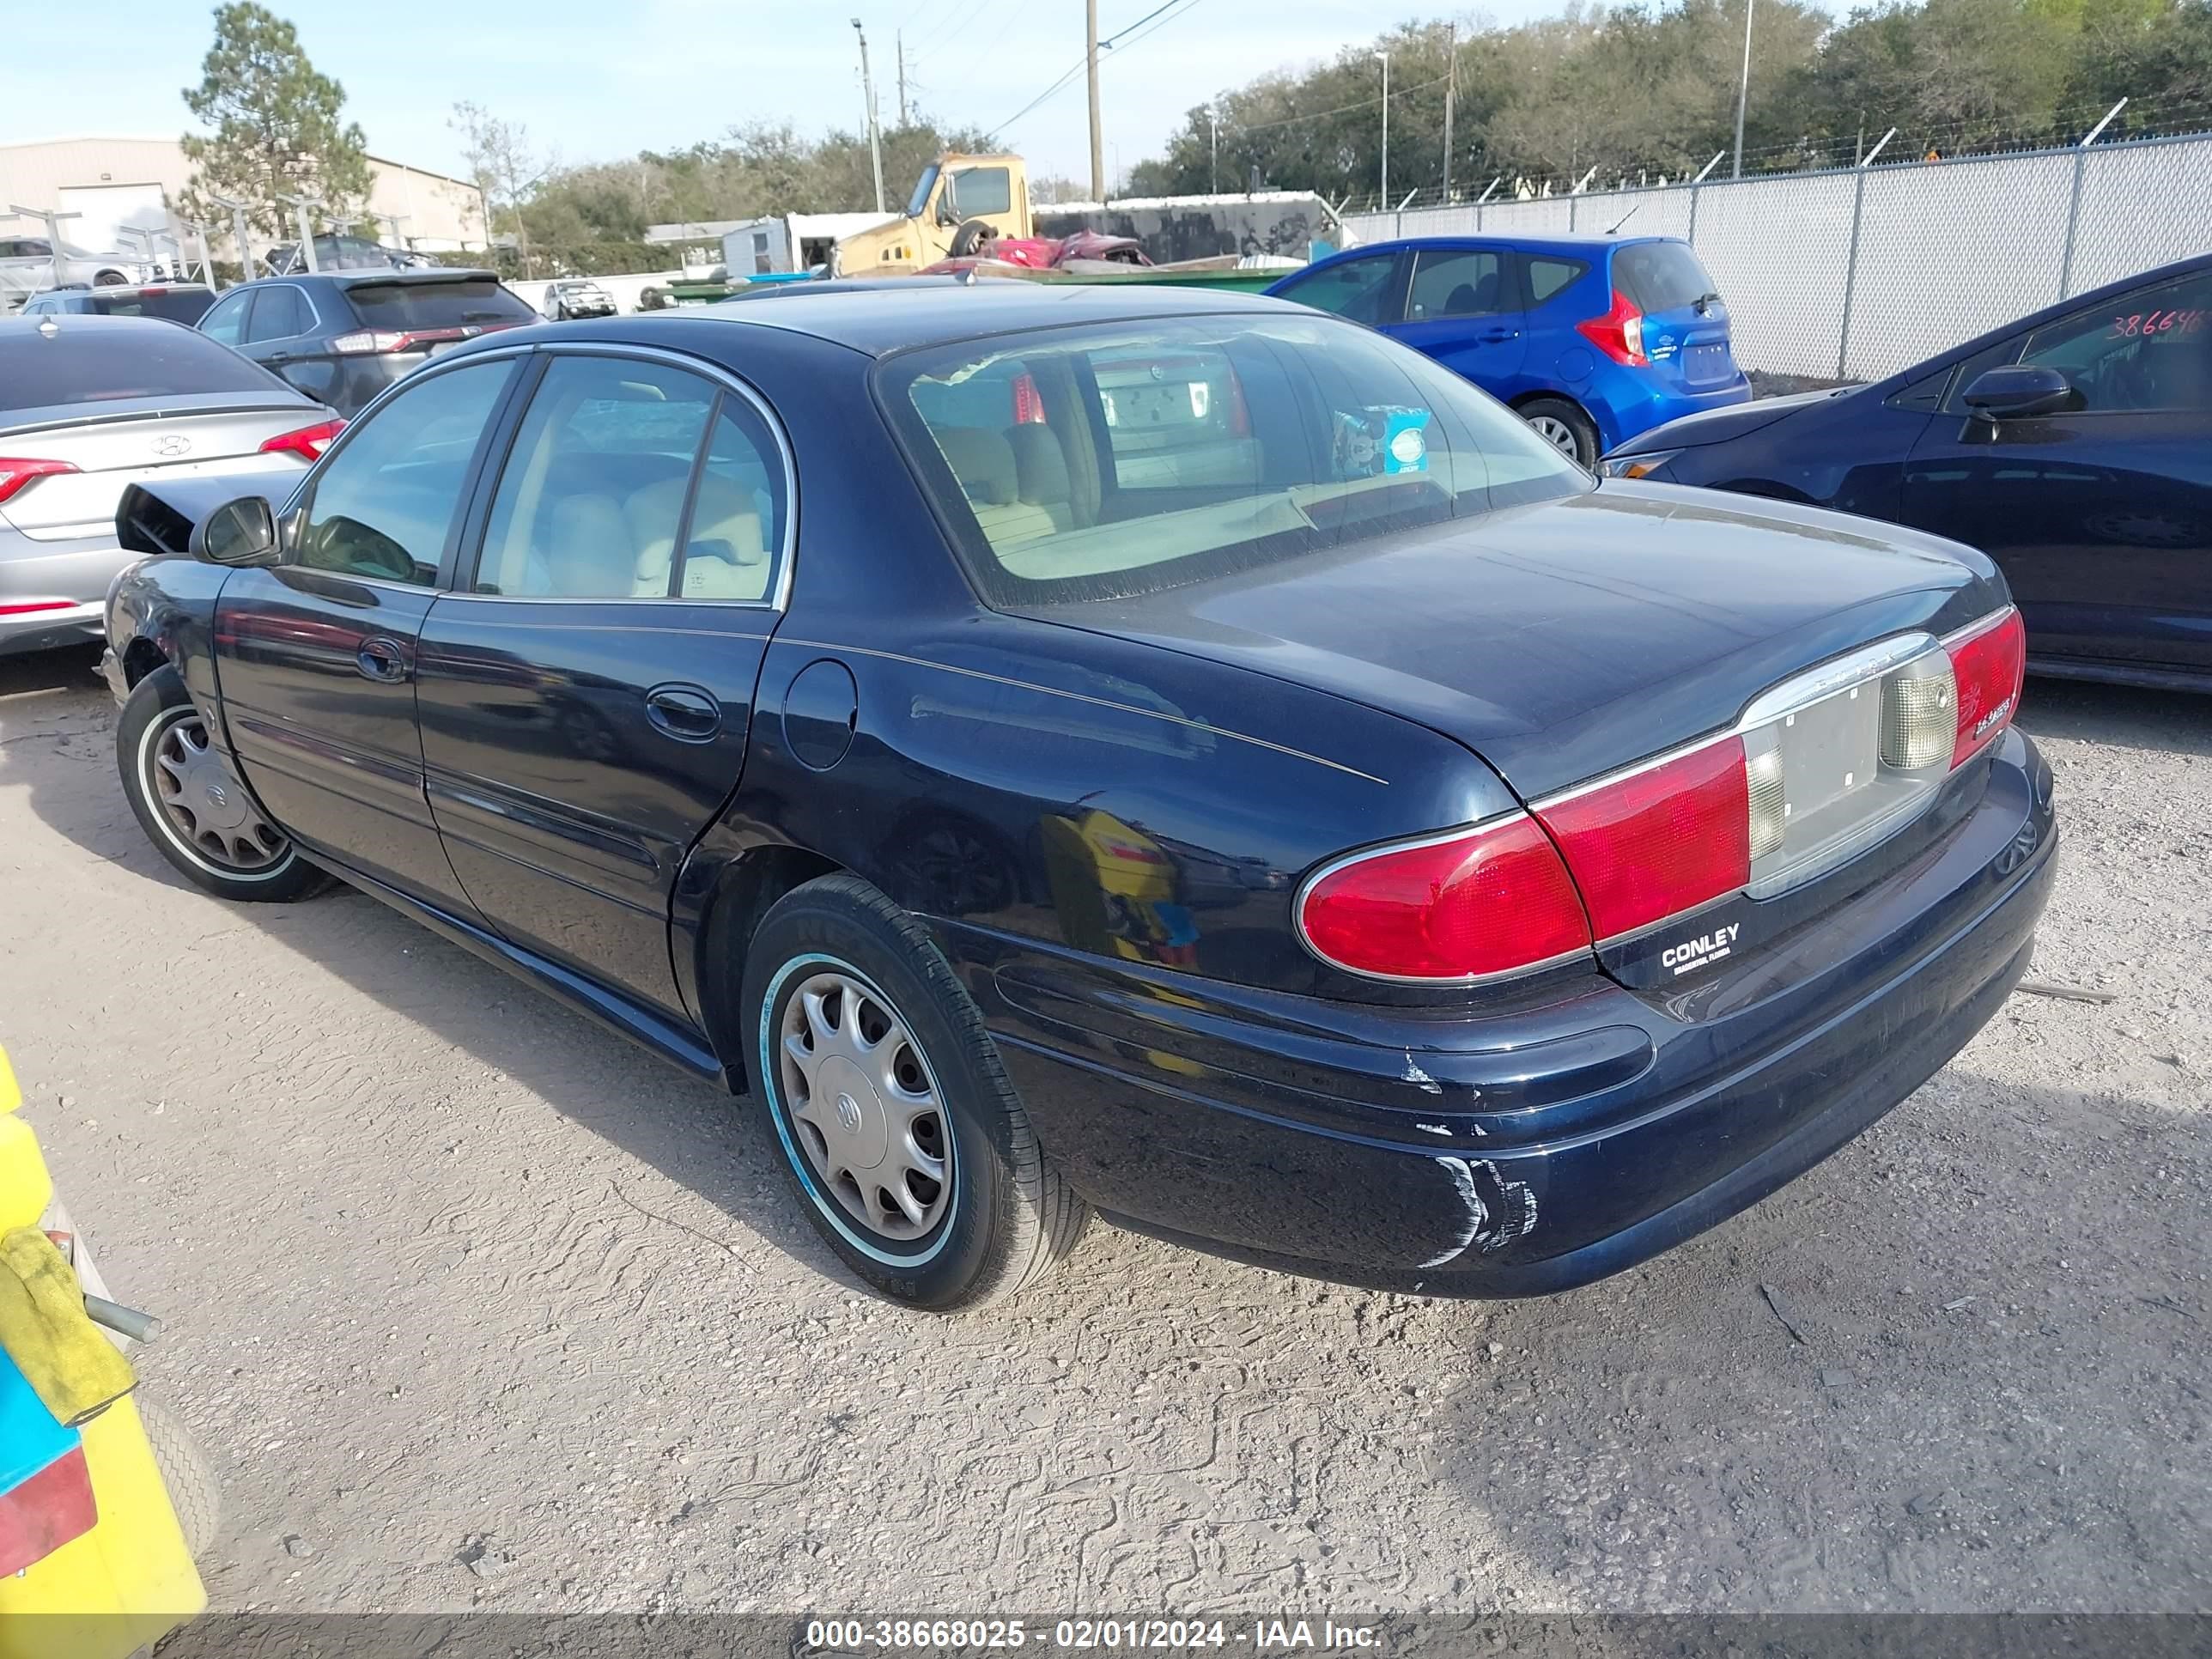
137, 441
1563, 640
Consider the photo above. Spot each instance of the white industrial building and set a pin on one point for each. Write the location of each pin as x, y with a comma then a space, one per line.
130, 184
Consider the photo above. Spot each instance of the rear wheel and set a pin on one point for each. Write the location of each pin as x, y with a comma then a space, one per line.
970, 237
196, 814
898, 1129
1565, 427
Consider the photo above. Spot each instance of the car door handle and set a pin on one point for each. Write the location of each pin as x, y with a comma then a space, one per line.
382, 660
686, 713
1497, 334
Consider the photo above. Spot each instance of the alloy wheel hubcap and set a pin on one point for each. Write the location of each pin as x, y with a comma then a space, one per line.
1556, 433
207, 806
864, 1106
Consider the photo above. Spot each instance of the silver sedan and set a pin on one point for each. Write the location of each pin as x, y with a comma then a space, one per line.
90, 404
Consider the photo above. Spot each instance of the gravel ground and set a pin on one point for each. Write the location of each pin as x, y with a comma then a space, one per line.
473, 1304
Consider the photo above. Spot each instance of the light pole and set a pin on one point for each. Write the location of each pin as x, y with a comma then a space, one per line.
1213, 148
299, 206
1385, 57
868, 95
238, 230
1743, 88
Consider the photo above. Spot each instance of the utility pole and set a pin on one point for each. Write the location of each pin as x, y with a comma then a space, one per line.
1090, 68
238, 230
1385, 198
1451, 93
53, 224
868, 96
1213, 148
898, 40
1743, 88
299, 205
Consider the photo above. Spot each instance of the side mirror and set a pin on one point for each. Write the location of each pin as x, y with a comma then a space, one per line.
239, 532
2019, 391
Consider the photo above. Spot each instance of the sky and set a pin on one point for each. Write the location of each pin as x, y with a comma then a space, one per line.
595, 80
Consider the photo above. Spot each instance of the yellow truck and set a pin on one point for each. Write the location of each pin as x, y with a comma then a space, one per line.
960, 203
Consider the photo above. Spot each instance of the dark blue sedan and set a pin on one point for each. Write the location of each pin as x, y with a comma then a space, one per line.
2074, 447
1176, 754
1589, 339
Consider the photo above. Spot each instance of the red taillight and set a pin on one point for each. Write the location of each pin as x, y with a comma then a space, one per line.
1240, 413
379, 342
1659, 841
308, 443
1990, 661
1491, 900
40, 1514
27, 607
1618, 333
1029, 403
15, 474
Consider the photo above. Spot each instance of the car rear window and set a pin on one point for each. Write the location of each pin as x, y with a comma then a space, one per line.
175, 305
1661, 276
403, 305
86, 363
1105, 461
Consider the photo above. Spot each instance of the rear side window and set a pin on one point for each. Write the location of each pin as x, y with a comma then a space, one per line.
1357, 288
1661, 276
1549, 275
281, 314
400, 306
90, 361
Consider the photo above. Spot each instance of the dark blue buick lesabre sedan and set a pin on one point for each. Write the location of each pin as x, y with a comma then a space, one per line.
1177, 755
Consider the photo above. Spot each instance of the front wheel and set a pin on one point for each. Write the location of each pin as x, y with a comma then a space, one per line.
1565, 427
196, 814
906, 1143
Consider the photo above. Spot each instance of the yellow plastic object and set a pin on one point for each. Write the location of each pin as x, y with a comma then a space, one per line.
124, 1585
130, 1579
70, 1365
25, 1188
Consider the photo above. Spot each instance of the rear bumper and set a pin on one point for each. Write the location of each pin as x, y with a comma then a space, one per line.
1539, 1147
1626, 402
35, 573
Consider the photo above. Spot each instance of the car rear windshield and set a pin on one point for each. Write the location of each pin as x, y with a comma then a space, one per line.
403, 305
85, 362
172, 305
1108, 461
1661, 276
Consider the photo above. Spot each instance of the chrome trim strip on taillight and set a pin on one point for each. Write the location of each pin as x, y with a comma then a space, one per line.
1414, 843
1974, 630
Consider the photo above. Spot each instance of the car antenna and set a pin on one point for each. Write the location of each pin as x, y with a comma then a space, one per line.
1623, 219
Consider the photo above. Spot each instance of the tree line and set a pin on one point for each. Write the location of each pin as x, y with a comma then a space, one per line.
1647, 92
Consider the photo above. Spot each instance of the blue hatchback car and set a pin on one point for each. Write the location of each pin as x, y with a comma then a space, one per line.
1591, 339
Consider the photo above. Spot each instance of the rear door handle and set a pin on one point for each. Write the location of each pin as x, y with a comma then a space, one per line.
687, 713
383, 660
1497, 334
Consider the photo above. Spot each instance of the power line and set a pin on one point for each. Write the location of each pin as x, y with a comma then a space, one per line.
1396, 92
1080, 64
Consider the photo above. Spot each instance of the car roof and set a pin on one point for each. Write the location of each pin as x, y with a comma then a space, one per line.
1564, 242
879, 316
54, 323
378, 274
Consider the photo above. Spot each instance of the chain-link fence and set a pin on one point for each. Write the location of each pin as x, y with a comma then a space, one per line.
1858, 273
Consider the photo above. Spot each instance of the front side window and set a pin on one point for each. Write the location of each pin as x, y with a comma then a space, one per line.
1357, 288
634, 480
385, 503
1101, 462
2151, 350
225, 321
1457, 282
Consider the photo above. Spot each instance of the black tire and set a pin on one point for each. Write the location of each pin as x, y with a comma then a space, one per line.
193, 1491
110, 279
1561, 417
158, 707
966, 239
1007, 1216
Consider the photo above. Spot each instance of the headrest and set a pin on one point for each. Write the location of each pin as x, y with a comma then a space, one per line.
981, 460
1040, 464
